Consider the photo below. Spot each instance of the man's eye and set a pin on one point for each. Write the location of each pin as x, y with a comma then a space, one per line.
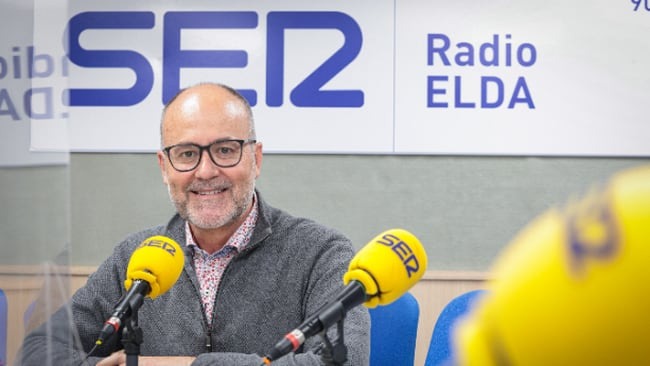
185, 154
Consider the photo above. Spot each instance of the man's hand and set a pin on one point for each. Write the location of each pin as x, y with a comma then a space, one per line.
119, 359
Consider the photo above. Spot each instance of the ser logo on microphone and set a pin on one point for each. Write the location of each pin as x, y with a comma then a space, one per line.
403, 251
157, 243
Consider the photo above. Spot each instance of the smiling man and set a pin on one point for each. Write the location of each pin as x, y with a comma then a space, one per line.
252, 272
214, 194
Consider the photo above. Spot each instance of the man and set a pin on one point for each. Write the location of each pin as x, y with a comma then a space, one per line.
252, 272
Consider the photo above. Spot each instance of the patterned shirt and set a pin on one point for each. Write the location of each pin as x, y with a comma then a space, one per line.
210, 267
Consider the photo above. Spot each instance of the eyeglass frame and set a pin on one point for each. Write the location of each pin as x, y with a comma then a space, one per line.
202, 148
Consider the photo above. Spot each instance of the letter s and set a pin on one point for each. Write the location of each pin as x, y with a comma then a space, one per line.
110, 58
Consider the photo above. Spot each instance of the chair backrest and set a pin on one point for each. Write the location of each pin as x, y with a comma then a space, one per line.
393, 331
440, 347
3, 328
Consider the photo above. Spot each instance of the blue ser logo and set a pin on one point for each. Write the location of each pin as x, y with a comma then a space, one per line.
307, 93
592, 232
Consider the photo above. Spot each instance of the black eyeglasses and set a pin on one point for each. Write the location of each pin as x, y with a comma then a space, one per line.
223, 153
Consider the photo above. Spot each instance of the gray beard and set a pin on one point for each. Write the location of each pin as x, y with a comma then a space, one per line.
212, 223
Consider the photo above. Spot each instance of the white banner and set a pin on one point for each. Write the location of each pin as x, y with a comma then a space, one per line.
387, 77
523, 78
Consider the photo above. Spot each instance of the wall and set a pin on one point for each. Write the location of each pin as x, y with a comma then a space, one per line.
463, 209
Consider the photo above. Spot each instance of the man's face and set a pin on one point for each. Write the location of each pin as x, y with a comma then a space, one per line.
209, 196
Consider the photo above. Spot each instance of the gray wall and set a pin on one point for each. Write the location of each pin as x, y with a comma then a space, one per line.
463, 209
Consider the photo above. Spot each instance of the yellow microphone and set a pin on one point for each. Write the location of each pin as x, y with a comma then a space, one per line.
388, 266
381, 272
573, 288
154, 267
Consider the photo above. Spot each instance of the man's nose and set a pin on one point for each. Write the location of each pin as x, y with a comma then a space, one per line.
207, 168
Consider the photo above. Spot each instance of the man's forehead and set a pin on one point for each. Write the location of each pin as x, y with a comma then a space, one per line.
235, 108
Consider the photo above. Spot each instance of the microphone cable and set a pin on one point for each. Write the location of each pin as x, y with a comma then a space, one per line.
85, 359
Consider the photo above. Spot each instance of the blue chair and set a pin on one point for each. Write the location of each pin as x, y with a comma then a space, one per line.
393, 331
440, 347
3, 328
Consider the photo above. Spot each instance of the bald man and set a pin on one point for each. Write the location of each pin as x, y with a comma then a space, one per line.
252, 272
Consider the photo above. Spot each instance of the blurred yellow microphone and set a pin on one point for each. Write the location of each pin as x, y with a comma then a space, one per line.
573, 288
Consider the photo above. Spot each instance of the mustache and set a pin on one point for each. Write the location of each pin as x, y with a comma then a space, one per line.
210, 185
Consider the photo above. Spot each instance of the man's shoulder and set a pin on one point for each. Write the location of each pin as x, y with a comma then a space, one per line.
285, 223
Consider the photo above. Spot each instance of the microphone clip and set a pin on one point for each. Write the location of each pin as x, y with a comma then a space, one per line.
335, 353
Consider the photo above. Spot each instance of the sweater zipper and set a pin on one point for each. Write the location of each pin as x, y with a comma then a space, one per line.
208, 331
208, 336
208, 341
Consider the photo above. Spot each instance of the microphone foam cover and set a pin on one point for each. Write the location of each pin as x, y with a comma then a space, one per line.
388, 266
572, 288
159, 261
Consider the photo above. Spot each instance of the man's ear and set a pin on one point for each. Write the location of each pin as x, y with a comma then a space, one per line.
258, 158
162, 165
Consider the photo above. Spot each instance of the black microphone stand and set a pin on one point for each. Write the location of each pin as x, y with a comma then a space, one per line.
131, 339
334, 353
132, 333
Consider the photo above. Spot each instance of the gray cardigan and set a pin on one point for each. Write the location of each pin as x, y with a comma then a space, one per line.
290, 268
